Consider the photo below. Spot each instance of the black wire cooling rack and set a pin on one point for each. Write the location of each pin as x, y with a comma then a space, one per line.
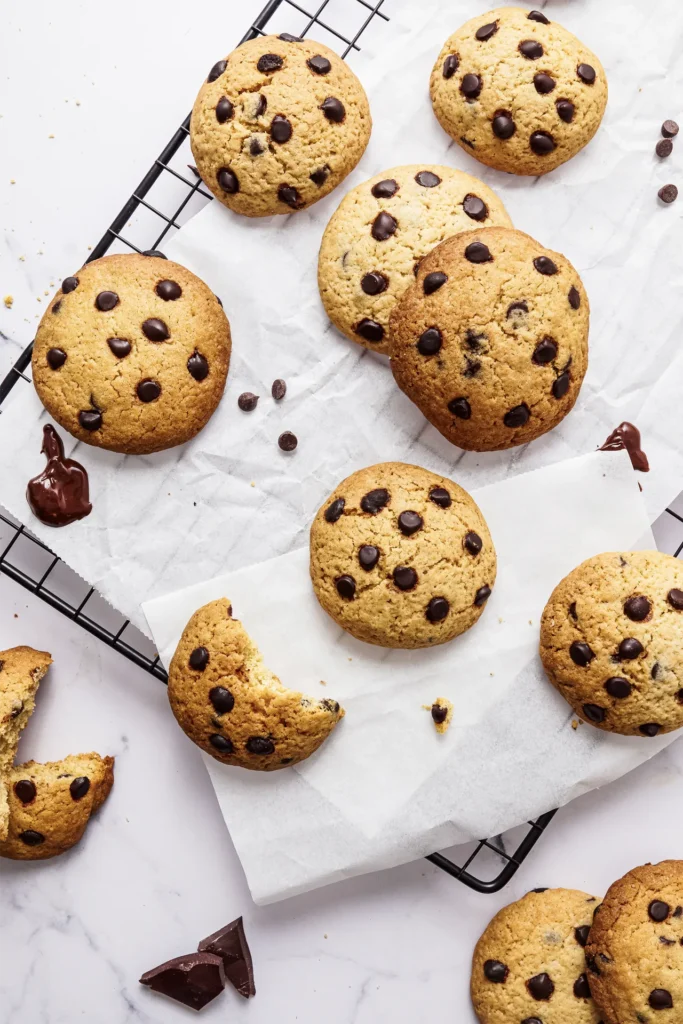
172, 184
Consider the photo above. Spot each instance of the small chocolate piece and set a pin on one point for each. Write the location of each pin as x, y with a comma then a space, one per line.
319, 65
155, 330
439, 713
224, 110
581, 654
545, 351
374, 283
346, 587
542, 143
404, 577
594, 713
120, 347
668, 194
561, 385
627, 436
664, 148
658, 910
57, 306
368, 556
370, 330
474, 207
79, 788
544, 265
669, 129
384, 226
517, 416
477, 252
287, 38
434, 281
460, 407
247, 401
221, 743
582, 989
280, 129
287, 441
60, 494
333, 109
451, 65
69, 284
156, 253
441, 497
56, 357
544, 83
221, 699
106, 301
650, 729
148, 390
537, 16
409, 523
90, 419
217, 70
320, 176
486, 32
675, 599
581, 934
471, 86
385, 189
660, 999
496, 971
194, 979
228, 180
427, 179
540, 987
472, 543
482, 596
572, 611
230, 943
503, 125
278, 389
430, 342
198, 366
618, 687
374, 501
531, 49
565, 110
334, 511
574, 297
260, 745
630, 648
25, 790
586, 73
637, 608
169, 291
262, 106
31, 838
269, 63
199, 659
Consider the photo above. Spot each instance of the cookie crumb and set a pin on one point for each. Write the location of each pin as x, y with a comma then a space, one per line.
12, 181
442, 713
323, 683
50, 136
253, 483
9, 301
575, 723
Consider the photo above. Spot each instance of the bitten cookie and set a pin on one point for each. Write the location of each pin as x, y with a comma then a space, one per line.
132, 354
21, 669
374, 242
612, 642
278, 124
491, 341
635, 948
229, 704
401, 557
51, 804
529, 967
517, 91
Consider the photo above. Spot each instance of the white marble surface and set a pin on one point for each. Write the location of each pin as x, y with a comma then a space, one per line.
157, 870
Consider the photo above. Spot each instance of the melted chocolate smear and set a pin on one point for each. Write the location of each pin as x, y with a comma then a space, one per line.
59, 495
627, 436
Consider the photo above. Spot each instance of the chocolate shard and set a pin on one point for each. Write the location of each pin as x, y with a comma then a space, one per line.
194, 979
231, 944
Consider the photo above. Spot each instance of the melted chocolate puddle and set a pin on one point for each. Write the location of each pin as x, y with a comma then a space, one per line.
627, 436
59, 495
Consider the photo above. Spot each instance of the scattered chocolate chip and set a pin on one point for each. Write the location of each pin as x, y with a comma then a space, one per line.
346, 587
472, 543
545, 351
460, 407
581, 654
658, 910
503, 125
289, 195
217, 70
630, 649
675, 599
193, 980
581, 934
334, 511
427, 179
409, 523
224, 110
650, 729
474, 207
544, 82
668, 194
228, 180
538, 16
333, 109
451, 65
477, 252
517, 416
495, 971
79, 788
148, 390
90, 419
260, 745
637, 608
485, 32
618, 687
278, 389
374, 501
56, 357
385, 189
439, 713
517, 308
222, 700
247, 401
594, 713
542, 143
531, 49
404, 577
106, 301
540, 987
269, 62
280, 129
664, 148
582, 988
320, 176
482, 596
561, 385
384, 226
440, 497
660, 999
368, 556
586, 73
221, 743
471, 86
430, 342
370, 330
374, 283
230, 943
31, 837
434, 281
319, 65
69, 284
25, 790
669, 129
287, 441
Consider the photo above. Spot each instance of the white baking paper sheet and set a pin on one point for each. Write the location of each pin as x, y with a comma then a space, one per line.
385, 787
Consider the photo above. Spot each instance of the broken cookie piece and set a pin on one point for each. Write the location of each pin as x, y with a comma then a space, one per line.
194, 979
442, 713
230, 943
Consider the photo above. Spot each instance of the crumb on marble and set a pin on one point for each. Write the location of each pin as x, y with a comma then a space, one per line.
575, 723
12, 181
9, 301
253, 483
50, 136
437, 709
323, 683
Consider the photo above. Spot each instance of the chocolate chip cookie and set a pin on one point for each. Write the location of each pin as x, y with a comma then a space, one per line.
132, 354
612, 642
278, 124
373, 245
529, 966
517, 91
491, 340
229, 704
402, 557
635, 948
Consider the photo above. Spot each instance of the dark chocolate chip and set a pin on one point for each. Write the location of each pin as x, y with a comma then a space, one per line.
169, 291
561, 385
370, 330
198, 366
482, 596
434, 281
669, 129
224, 110
368, 556
545, 351
637, 608
437, 609
474, 340
148, 390
255, 147
581, 654
574, 297
565, 110
477, 252
496, 971
658, 910
79, 787
385, 189
427, 179
471, 86
260, 745
409, 523
90, 419
320, 176
582, 989
333, 109
222, 700
69, 284
586, 73
56, 357
269, 62
319, 65
474, 207
120, 347
280, 129
654, 671
675, 599
221, 743
57, 306
668, 194
472, 543
228, 180
217, 70
25, 790
517, 416
531, 49
334, 511
581, 934
538, 16
664, 148
156, 253
31, 838
594, 713
199, 659
330, 705
542, 143
346, 587
247, 401
618, 687
540, 986
630, 648
572, 611
374, 501
106, 301
440, 497
287, 441
649, 729
262, 106
544, 265
374, 283
660, 999
544, 82
451, 65
290, 196
485, 32
155, 330
384, 226
460, 407
503, 125
404, 577
439, 713
430, 342
517, 308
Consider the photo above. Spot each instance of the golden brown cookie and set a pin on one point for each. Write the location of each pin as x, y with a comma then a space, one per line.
132, 354
517, 91
278, 124
529, 966
401, 557
491, 341
612, 641
229, 704
21, 669
374, 242
635, 948
51, 804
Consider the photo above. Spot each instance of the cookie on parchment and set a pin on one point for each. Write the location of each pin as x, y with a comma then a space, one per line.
132, 354
233, 707
491, 341
401, 557
374, 242
518, 91
635, 948
612, 641
278, 124
529, 965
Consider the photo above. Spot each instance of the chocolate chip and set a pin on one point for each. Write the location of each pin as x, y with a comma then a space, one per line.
618, 687
69, 284
247, 401
199, 659
545, 351
25, 790
495, 971
542, 143
269, 62
90, 419
664, 148
148, 390
574, 297
537, 16
472, 543
581, 934
630, 649
198, 366
572, 610
675, 599
334, 511
286, 37
517, 416
31, 837
333, 109
120, 347
460, 407
485, 32
370, 330
517, 308
346, 587
217, 70
637, 608
590, 960
437, 609
439, 713
228, 180
290, 196
540, 986
57, 306
451, 65
409, 523
384, 226
368, 556
544, 265
668, 194
260, 745
582, 988
544, 83
278, 389
79, 787
319, 65
427, 179
503, 125
155, 330
222, 700
474, 207
221, 743
565, 110
320, 176
650, 729
287, 441
224, 110
430, 342
586, 73
434, 281
531, 49
594, 713
678, 912
669, 129
477, 252
440, 497
654, 671
385, 189
106, 301
581, 654
255, 147
374, 501
482, 596
169, 291
329, 705
404, 577
660, 999
374, 283
561, 385
280, 129
471, 86
658, 910
262, 106
56, 357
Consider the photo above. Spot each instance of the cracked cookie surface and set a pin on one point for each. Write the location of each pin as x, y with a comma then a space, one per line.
612, 642
132, 354
491, 340
517, 91
278, 124
380, 232
401, 557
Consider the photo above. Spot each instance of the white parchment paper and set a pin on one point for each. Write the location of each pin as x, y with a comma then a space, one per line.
385, 787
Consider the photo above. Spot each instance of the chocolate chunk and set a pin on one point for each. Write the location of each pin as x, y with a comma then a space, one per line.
427, 179
482, 596
334, 511
472, 543
664, 148
320, 176
544, 83
675, 599
474, 207
374, 501
540, 987
228, 180
31, 838
221, 743
260, 745
247, 401
437, 609
537, 16
618, 687
230, 943
545, 351
90, 419
477, 252
658, 910
198, 366
269, 62
669, 129
434, 281
280, 129
668, 194
542, 143
194, 979
148, 390
531, 49
346, 587
287, 38
25, 790
650, 729
60, 494
69, 284
544, 265
155, 330
222, 700
56, 357
496, 971
460, 407
471, 86
370, 330
503, 125
224, 110
582, 988
120, 347
586, 73
368, 556
278, 389
290, 196
517, 416
627, 436
581, 654
79, 788
287, 441
516, 309
333, 109
217, 70
385, 189
430, 342
374, 283
199, 659
594, 713
581, 934
451, 65
637, 608
561, 385
440, 497
169, 291
439, 713
630, 649
319, 65
574, 297
565, 110
106, 301
156, 253
654, 671
485, 32
384, 226
660, 999
409, 523
404, 577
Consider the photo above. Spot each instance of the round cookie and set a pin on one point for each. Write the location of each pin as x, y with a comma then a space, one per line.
529, 967
635, 948
229, 704
491, 340
401, 557
278, 124
382, 229
132, 354
612, 642
517, 91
